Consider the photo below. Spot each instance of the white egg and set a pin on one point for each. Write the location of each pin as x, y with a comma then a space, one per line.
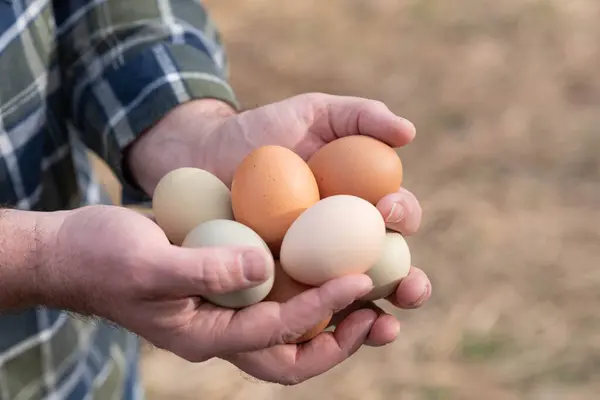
339, 235
231, 233
391, 267
187, 197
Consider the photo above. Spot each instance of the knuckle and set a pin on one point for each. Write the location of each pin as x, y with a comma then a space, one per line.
290, 337
377, 104
215, 276
282, 328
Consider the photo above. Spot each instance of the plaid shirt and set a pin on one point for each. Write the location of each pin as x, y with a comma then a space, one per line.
78, 75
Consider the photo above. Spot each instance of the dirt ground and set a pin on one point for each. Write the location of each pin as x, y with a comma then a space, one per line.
506, 99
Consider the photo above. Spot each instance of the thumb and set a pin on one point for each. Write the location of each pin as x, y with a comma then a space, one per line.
217, 270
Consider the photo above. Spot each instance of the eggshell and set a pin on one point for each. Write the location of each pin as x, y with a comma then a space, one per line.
284, 288
337, 236
391, 267
231, 233
187, 197
271, 187
357, 165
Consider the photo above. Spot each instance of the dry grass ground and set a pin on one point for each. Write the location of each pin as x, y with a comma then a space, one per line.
506, 99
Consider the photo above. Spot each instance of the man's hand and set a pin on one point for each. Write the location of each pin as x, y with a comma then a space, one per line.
115, 263
209, 135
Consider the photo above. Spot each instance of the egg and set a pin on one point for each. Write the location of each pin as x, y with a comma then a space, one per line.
357, 165
271, 187
187, 197
231, 233
392, 266
337, 236
284, 288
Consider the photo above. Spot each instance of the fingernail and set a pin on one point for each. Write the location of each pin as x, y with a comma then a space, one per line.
421, 298
396, 213
254, 266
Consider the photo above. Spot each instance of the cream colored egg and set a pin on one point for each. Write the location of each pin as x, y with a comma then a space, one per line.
392, 266
231, 233
337, 236
187, 197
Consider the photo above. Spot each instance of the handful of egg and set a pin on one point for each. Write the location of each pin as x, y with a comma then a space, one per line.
317, 218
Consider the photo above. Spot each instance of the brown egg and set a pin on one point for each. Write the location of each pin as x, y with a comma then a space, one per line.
271, 187
284, 288
357, 165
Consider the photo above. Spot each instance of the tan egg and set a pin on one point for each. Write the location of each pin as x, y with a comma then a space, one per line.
271, 187
339, 235
284, 288
187, 197
359, 166
231, 233
393, 265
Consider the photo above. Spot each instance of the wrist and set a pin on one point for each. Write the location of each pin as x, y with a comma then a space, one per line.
25, 237
176, 141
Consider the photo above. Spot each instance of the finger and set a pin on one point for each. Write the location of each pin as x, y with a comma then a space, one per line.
270, 323
212, 270
401, 211
291, 365
328, 349
358, 116
413, 291
384, 331
341, 315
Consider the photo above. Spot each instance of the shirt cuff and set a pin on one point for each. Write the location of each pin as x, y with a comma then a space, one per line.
133, 96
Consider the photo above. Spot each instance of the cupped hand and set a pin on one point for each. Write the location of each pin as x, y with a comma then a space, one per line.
307, 122
303, 123
117, 264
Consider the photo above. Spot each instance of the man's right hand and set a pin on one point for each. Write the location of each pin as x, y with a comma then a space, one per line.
117, 264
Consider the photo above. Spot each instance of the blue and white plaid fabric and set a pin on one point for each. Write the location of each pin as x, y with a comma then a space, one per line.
79, 75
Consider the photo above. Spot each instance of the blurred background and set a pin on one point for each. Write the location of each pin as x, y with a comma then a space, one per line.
506, 99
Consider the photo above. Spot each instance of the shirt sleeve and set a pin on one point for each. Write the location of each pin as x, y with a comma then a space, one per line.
125, 64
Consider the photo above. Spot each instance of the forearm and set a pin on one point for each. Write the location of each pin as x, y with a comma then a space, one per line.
21, 238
